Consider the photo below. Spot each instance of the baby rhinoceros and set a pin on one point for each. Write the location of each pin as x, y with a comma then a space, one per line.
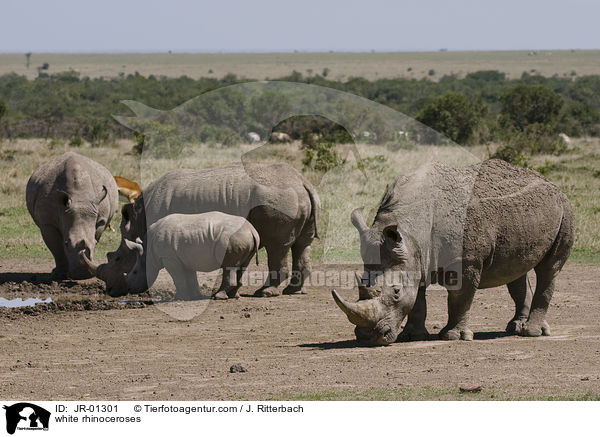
72, 199
185, 244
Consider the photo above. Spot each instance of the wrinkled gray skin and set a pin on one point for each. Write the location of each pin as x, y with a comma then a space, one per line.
514, 221
72, 200
276, 199
188, 243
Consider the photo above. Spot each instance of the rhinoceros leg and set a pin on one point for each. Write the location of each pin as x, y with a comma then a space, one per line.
459, 304
536, 324
230, 283
546, 272
278, 271
300, 265
186, 282
415, 325
53, 239
518, 292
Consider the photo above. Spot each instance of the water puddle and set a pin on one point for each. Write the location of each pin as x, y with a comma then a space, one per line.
19, 302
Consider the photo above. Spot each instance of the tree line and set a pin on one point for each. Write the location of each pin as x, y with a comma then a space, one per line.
483, 106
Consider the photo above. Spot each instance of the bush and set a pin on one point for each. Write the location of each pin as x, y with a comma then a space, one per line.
96, 131
323, 156
578, 119
511, 155
2, 109
525, 105
487, 76
138, 144
76, 142
537, 139
453, 115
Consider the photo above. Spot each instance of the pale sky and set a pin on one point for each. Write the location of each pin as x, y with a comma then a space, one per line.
305, 25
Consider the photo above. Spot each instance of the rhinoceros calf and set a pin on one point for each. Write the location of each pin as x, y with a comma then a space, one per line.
275, 198
476, 227
188, 243
72, 200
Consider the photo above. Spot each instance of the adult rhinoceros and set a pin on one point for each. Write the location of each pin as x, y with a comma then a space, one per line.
275, 198
466, 228
72, 199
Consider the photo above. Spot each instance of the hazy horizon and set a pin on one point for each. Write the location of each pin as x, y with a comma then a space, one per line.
246, 52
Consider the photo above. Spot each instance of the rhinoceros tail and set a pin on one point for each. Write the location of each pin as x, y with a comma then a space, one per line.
256, 244
315, 205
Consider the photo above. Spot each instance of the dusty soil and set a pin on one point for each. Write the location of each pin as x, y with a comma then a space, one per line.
292, 347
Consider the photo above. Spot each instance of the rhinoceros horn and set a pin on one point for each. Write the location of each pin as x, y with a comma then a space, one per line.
358, 221
91, 266
364, 313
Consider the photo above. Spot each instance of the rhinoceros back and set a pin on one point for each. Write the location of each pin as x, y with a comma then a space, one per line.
199, 241
231, 190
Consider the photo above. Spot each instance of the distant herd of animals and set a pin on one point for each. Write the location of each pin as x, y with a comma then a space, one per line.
190, 220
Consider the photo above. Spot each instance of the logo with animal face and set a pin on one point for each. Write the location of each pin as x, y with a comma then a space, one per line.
26, 416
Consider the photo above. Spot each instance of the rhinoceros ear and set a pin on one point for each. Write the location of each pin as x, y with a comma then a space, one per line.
358, 221
134, 246
394, 242
64, 198
392, 233
100, 197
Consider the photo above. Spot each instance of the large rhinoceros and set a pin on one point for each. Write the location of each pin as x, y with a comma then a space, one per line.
275, 198
72, 200
465, 228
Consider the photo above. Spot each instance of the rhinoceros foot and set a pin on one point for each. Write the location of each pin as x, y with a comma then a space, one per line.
532, 330
515, 326
290, 289
267, 292
220, 295
413, 333
58, 274
456, 334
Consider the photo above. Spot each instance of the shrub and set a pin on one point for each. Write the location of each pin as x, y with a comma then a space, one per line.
487, 76
537, 139
453, 115
525, 105
511, 155
376, 162
76, 142
96, 131
2, 109
138, 145
159, 140
323, 156
578, 119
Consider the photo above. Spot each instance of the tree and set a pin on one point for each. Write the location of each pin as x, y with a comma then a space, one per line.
2, 109
453, 115
525, 105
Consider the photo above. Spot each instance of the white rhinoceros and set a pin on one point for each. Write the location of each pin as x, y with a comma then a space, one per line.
72, 200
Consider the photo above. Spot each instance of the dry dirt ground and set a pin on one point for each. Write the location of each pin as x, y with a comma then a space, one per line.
294, 347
